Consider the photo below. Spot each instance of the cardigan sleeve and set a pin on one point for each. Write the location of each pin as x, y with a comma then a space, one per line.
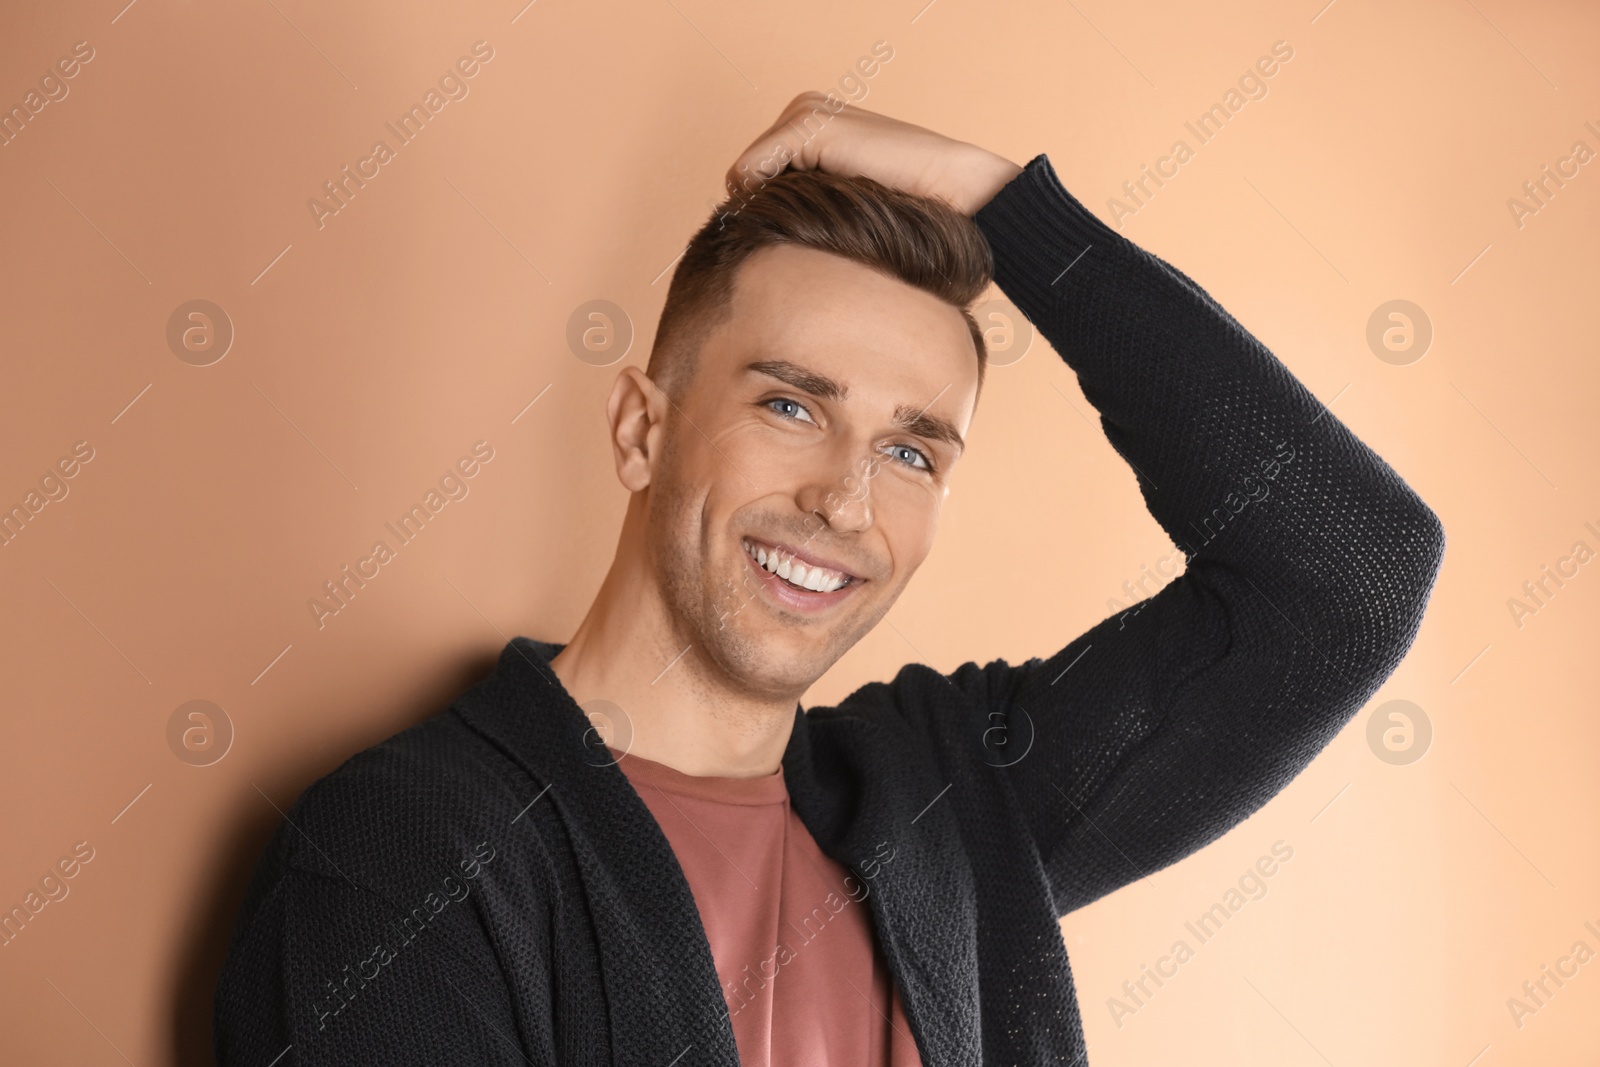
1309, 564
325, 975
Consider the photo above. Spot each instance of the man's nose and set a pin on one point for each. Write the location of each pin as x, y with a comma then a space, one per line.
840, 494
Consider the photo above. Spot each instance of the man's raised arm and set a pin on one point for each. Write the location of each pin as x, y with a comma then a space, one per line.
1166, 725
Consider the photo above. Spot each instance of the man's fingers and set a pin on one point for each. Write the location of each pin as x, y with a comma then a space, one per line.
766, 157
794, 140
818, 131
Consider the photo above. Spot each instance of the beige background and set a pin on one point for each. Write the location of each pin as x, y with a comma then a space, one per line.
373, 351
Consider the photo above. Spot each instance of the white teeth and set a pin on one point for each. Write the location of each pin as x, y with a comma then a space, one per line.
816, 579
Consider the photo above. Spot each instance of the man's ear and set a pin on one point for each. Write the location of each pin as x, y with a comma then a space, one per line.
637, 414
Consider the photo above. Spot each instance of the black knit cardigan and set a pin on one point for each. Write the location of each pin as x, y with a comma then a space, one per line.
487, 888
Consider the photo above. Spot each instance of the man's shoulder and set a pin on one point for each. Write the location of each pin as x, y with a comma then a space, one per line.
377, 859
428, 794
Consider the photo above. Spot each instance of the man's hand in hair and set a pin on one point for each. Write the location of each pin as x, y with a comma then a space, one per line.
818, 133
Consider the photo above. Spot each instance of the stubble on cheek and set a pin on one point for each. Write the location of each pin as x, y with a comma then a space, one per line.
707, 607
674, 542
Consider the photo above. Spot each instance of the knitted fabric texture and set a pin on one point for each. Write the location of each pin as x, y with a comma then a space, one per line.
487, 888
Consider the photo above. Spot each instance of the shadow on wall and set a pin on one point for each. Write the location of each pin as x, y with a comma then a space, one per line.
217, 899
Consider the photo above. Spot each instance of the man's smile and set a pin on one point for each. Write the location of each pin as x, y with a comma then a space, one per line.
799, 580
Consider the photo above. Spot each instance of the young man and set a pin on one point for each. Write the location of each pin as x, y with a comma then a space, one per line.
638, 848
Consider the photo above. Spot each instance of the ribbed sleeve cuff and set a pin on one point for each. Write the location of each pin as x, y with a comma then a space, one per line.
1045, 242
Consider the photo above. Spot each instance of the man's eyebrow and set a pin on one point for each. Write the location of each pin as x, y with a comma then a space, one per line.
807, 381
930, 427
913, 420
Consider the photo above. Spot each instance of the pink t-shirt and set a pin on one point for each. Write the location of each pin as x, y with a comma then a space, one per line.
790, 929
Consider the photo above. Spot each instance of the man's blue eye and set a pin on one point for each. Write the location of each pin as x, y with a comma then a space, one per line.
927, 464
804, 416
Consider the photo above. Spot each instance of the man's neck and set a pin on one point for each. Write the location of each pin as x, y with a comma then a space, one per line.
676, 705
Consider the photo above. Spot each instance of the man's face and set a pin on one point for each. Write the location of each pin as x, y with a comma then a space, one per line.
823, 418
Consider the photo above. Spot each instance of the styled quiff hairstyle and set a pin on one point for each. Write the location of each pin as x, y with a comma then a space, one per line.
921, 241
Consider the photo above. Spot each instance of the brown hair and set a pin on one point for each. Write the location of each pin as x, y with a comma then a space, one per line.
918, 240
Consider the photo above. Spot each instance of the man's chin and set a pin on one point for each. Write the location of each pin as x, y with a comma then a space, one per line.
772, 658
